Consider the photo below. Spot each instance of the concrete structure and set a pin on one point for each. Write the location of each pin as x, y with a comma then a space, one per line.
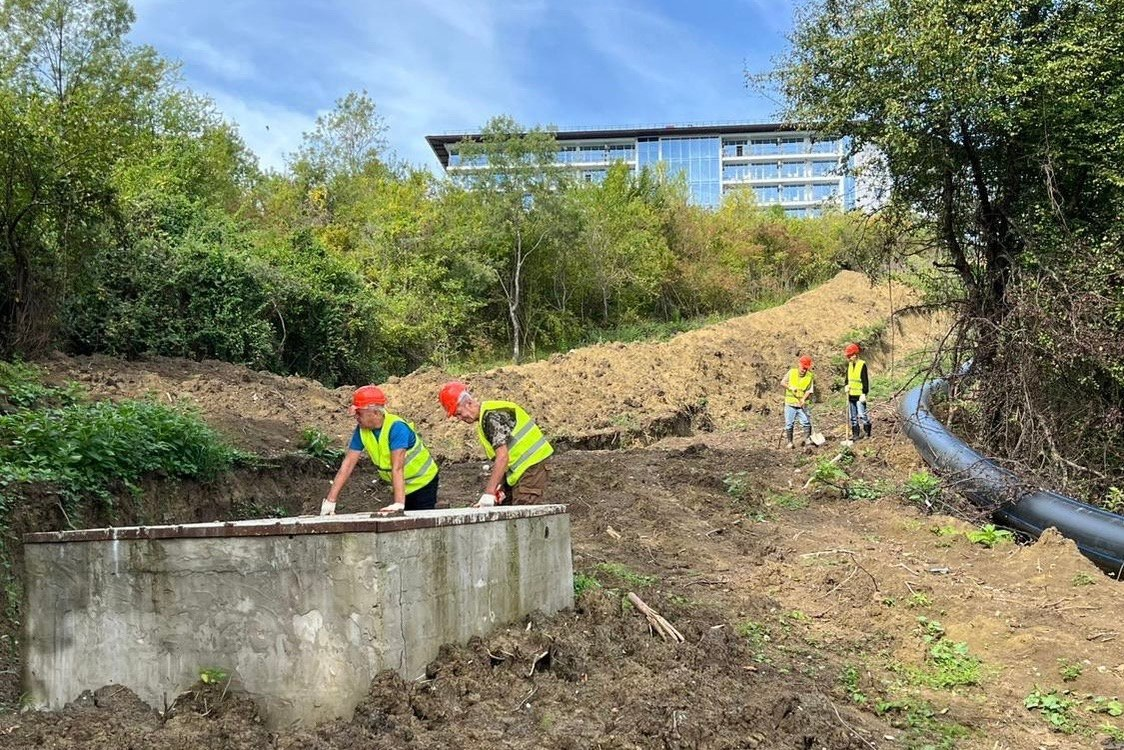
783, 165
302, 612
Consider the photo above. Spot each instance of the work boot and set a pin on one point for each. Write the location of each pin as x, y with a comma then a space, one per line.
866, 429
854, 432
788, 438
807, 435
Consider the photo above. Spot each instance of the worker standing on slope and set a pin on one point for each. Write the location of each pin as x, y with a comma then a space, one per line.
858, 386
395, 448
511, 439
798, 388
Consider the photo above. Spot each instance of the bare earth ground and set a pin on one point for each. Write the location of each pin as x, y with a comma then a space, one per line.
800, 607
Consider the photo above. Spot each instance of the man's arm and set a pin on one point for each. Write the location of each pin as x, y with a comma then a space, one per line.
398, 477
866, 380
328, 507
499, 467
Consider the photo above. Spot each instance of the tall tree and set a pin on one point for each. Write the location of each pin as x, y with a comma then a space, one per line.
74, 94
513, 174
964, 101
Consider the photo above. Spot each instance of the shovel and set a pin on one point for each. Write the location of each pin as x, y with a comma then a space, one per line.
817, 437
846, 442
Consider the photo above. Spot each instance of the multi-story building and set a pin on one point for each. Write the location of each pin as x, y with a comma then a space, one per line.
782, 165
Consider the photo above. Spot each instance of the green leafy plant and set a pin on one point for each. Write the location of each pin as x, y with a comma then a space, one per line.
1054, 707
1110, 706
828, 473
319, 445
849, 679
922, 724
1083, 579
989, 536
737, 484
1114, 500
1070, 670
918, 599
213, 675
922, 488
860, 490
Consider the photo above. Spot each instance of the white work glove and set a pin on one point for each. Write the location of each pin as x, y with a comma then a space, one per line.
486, 501
328, 507
862, 398
393, 507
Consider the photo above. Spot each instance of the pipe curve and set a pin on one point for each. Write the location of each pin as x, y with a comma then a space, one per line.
1099, 534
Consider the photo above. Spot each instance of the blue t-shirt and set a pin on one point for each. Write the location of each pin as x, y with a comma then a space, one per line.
401, 437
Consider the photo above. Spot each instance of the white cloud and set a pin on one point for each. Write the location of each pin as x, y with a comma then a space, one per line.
270, 130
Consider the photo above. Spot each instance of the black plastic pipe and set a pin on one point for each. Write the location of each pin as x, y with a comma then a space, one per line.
1098, 533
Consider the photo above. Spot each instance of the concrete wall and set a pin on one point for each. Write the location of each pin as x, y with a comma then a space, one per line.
303, 612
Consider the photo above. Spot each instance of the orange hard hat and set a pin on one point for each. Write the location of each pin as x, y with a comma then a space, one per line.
368, 395
450, 396
851, 349
806, 362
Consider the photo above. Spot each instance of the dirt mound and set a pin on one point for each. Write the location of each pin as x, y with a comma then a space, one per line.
598, 396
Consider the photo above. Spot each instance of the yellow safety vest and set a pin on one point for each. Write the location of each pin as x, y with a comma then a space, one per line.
797, 386
420, 469
526, 446
855, 377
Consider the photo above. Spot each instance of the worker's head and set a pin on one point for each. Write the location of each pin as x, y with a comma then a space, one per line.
368, 406
851, 350
805, 363
458, 402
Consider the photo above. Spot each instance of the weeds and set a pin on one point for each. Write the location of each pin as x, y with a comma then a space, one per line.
922, 488
1083, 579
213, 675
1054, 707
787, 501
921, 724
949, 664
319, 445
584, 583
737, 484
849, 679
1070, 670
626, 574
989, 536
918, 599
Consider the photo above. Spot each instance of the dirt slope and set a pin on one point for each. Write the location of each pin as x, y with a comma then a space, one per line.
601, 395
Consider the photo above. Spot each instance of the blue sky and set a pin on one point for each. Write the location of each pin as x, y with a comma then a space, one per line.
435, 66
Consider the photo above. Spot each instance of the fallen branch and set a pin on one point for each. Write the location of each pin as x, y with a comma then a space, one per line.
666, 630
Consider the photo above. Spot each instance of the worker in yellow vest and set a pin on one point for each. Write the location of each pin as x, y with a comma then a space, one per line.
858, 386
511, 439
397, 451
799, 385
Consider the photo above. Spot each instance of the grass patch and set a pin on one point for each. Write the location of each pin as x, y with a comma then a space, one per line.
584, 583
849, 680
787, 501
625, 574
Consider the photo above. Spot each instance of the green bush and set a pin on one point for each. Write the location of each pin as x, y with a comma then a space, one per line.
85, 449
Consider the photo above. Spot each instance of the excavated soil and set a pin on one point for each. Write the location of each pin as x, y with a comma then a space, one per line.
801, 606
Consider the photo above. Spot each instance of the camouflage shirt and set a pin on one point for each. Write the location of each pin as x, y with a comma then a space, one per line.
499, 424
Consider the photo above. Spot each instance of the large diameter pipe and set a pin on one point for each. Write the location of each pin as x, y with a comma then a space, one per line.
1098, 533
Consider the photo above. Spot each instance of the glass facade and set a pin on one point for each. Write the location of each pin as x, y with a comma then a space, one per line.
796, 170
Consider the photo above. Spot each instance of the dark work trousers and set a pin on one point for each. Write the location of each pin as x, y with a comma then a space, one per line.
425, 498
